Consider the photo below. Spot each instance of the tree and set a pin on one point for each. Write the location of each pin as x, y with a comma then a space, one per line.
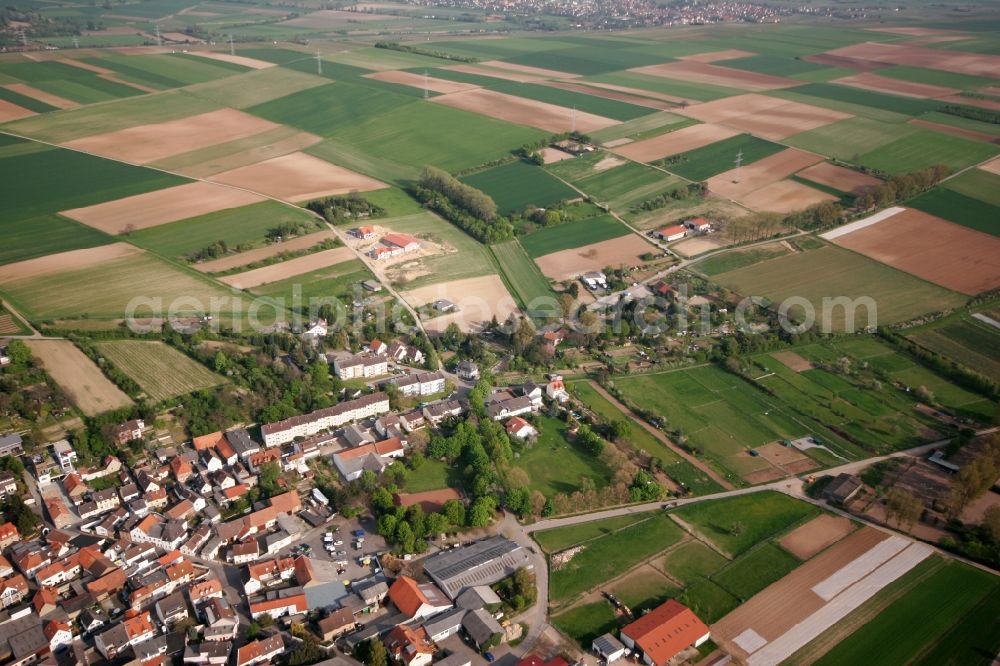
372, 653
270, 472
481, 513
903, 507
253, 631
405, 537
566, 303
454, 512
991, 522
18, 352
620, 429
221, 362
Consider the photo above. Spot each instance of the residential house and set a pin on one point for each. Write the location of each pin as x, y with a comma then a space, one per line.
420, 384
351, 366
594, 280
843, 488
409, 646
8, 484
482, 628
207, 653
243, 553
417, 600
11, 445
8, 535
467, 370
671, 233
507, 406
336, 624
306, 425
351, 463
13, 590
698, 224
171, 608
123, 433
260, 651
377, 347
556, 389
441, 410
64, 455
518, 427
134, 630
664, 632
279, 605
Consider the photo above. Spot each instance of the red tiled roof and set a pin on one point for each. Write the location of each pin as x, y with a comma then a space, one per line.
406, 595
665, 631
209, 441
401, 240
671, 230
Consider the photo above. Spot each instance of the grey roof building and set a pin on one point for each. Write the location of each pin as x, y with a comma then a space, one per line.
479, 596
483, 563
444, 624
481, 626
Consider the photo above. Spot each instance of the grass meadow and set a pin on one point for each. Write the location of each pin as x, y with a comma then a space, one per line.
572, 235
718, 157
520, 273
517, 185
965, 340
555, 465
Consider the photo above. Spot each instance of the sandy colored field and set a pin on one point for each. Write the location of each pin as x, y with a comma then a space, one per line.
78, 376
551, 155
614, 143
761, 173
896, 86
607, 163
694, 246
781, 605
97, 69
155, 208
976, 64
243, 258
479, 299
298, 177
672, 143
990, 90
612, 94
42, 96
913, 31
993, 166
567, 264
65, 261
784, 196
335, 18
839, 178
938, 251
783, 456
241, 153
252, 63
523, 111
793, 361
419, 81
11, 111
764, 116
506, 75
540, 72
716, 56
148, 143
703, 72
287, 269
954, 131
639, 92
822, 531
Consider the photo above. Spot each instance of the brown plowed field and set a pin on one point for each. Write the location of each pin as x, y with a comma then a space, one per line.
715, 56
567, 264
703, 72
975, 64
78, 376
42, 96
287, 269
160, 207
540, 72
839, 178
415, 80
148, 143
785, 196
672, 143
782, 605
243, 258
895, 86
761, 173
479, 299
822, 531
65, 261
11, 111
298, 177
611, 94
244, 152
252, 63
938, 251
793, 361
764, 116
640, 92
523, 111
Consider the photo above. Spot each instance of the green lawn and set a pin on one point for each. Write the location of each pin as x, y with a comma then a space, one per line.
612, 554
586, 622
644, 590
755, 570
720, 156
555, 465
432, 475
561, 538
968, 341
572, 235
905, 631
693, 560
676, 467
736, 524
722, 263
708, 601
235, 226
518, 185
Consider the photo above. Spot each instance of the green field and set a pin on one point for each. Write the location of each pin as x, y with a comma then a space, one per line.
24, 101
256, 87
702, 92
586, 622
774, 65
849, 139
978, 184
833, 272
71, 294
935, 77
954, 206
911, 106
926, 148
166, 71
518, 185
755, 570
552, 541
759, 516
730, 261
161, 371
641, 128
621, 186
235, 226
73, 83
554, 465
718, 157
965, 607
607, 556
337, 281
676, 467
572, 235
693, 560
522, 275
433, 475
968, 341
644, 590
709, 601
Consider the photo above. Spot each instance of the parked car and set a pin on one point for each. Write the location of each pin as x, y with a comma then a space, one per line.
490, 656
358, 533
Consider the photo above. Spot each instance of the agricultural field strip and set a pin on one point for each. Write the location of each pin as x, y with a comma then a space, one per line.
854, 571
862, 223
986, 319
843, 604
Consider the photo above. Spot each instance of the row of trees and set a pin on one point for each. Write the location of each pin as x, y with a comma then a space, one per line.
899, 187
472, 201
973, 112
691, 191
337, 210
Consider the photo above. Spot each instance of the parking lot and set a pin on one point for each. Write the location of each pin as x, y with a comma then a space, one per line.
352, 554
